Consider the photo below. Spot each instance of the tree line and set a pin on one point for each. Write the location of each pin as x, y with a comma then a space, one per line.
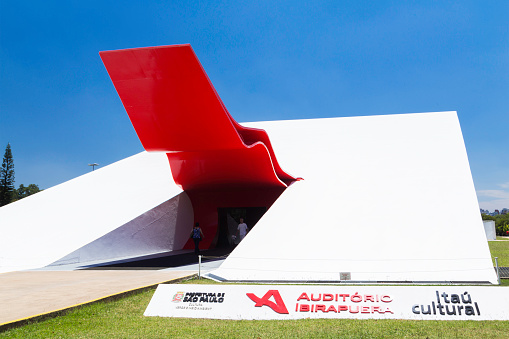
8, 192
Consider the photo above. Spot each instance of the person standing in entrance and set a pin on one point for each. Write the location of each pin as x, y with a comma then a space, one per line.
242, 228
197, 236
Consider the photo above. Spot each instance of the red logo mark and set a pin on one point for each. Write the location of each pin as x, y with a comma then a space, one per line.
278, 306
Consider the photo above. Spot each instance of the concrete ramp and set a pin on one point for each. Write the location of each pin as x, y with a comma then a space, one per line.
384, 198
117, 211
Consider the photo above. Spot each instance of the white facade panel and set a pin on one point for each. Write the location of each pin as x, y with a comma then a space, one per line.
384, 198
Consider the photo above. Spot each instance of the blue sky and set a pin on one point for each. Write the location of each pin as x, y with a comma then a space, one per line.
268, 61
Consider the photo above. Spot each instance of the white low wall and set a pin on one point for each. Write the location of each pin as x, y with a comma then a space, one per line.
489, 229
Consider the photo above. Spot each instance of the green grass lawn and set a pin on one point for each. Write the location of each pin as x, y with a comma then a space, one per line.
500, 249
124, 319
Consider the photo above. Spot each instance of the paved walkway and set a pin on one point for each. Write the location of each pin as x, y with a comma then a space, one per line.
28, 294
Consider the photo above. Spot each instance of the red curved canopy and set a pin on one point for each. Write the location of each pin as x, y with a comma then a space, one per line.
175, 109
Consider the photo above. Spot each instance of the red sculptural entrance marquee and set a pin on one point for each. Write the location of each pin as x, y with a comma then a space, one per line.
175, 109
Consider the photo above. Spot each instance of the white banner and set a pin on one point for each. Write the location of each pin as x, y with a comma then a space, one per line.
336, 302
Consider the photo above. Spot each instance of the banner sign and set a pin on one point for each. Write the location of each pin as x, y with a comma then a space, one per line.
335, 302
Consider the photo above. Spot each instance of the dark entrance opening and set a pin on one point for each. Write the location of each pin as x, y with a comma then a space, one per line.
228, 220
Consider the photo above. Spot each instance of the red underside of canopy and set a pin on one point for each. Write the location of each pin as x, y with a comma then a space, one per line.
175, 109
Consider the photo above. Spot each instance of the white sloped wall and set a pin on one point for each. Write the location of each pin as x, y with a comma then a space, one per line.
384, 198
43, 228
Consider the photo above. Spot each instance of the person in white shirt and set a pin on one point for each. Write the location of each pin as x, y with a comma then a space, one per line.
242, 228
